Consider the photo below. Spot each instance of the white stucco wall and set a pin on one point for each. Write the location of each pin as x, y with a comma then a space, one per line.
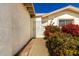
65, 16
14, 28
39, 28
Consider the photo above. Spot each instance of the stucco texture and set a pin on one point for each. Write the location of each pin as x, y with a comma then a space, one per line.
14, 28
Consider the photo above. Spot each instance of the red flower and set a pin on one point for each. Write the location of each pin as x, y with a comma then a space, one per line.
46, 33
71, 28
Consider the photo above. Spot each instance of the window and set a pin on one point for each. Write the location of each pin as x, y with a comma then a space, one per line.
65, 21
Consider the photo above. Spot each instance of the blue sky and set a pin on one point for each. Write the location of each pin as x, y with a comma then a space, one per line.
48, 7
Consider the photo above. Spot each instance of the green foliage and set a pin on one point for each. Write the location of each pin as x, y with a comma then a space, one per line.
63, 44
54, 29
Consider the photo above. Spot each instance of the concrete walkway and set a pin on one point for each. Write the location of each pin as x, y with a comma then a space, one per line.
36, 48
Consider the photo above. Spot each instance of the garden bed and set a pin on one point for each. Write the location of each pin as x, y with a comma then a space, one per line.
64, 41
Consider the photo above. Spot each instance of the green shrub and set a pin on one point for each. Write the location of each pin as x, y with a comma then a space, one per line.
63, 44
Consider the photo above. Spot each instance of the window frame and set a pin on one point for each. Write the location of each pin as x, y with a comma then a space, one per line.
66, 21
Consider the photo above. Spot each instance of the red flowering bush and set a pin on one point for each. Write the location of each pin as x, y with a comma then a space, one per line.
46, 32
64, 41
50, 29
71, 28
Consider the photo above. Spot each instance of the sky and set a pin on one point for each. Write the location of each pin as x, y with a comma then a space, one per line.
49, 7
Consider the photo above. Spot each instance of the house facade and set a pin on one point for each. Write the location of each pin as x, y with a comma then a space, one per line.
63, 16
16, 26
60, 17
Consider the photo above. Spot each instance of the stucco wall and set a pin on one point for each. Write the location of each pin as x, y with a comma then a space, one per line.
39, 28
14, 28
66, 16
21, 27
32, 28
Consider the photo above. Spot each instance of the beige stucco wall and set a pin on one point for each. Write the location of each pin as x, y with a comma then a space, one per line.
14, 28
33, 28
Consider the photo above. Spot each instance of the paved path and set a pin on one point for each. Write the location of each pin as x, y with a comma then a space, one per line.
37, 48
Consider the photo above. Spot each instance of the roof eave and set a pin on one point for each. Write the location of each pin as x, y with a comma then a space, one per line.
30, 9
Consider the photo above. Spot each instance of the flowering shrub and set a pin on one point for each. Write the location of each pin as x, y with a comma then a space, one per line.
46, 33
64, 41
50, 29
71, 28
47, 30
